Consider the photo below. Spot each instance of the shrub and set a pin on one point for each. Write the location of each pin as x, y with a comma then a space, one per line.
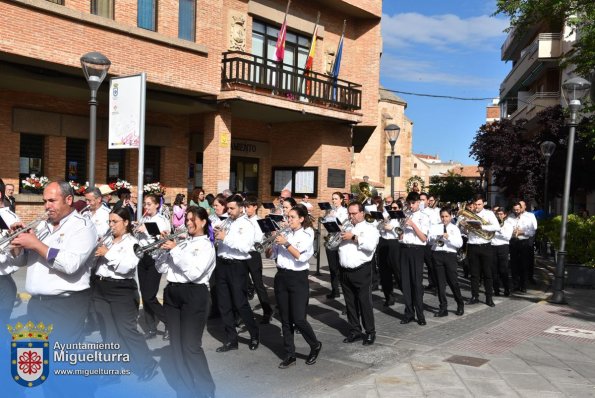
580, 237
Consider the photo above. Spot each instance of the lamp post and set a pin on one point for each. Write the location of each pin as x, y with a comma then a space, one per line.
392, 134
547, 150
95, 66
574, 90
481, 171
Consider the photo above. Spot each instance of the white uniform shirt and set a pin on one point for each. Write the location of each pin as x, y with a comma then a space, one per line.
238, 241
191, 261
120, 261
9, 218
452, 244
303, 241
423, 223
527, 223
494, 225
352, 254
164, 225
386, 234
433, 215
258, 235
101, 220
67, 265
338, 213
503, 236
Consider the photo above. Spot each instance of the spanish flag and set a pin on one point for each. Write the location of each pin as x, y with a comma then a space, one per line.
310, 60
280, 48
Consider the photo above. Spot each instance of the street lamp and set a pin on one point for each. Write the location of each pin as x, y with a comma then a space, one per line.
547, 150
574, 90
392, 134
481, 172
95, 66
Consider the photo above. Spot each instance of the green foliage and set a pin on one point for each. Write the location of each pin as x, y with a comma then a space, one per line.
453, 188
580, 237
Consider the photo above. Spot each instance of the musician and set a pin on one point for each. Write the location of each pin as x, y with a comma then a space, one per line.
148, 277
388, 256
427, 206
524, 229
500, 249
115, 296
388, 200
479, 250
254, 263
284, 195
230, 273
355, 256
59, 259
189, 265
292, 251
413, 243
106, 195
99, 214
126, 202
8, 195
531, 215
446, 240
8, 288
338, 213
220, 207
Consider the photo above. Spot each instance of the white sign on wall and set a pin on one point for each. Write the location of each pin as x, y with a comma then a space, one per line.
127, 95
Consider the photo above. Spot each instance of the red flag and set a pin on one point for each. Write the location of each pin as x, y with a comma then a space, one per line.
280, 48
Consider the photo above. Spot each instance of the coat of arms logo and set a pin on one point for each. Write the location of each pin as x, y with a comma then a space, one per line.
29, 353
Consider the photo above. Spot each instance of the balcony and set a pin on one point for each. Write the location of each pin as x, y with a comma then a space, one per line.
531, 106
256, 73
545, 49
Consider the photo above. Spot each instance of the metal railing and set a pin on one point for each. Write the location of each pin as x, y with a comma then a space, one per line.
289, 82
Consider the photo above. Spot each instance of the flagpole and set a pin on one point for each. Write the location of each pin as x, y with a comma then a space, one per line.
313, 43
280, 47
337, 62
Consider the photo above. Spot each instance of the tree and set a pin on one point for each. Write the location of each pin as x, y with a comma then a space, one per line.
452, 188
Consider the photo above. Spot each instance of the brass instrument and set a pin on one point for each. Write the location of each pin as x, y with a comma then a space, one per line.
4, 241
105, 239
441, 241
269, 240
333, 241
136, 229
225, 225
366, 191
469, 215
154, 249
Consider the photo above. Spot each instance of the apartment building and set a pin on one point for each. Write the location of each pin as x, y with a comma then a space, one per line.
221, 111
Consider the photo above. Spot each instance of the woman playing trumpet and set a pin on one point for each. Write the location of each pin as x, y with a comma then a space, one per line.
8, 289
388, 255
115, 294
189, 265
337, 213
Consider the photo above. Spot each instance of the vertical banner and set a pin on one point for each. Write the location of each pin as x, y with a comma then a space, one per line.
127, 96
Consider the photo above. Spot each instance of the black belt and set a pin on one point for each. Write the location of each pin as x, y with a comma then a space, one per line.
184, 284
479, 244
411, 246
279, 269
356, 268
231, 260
43, 297
108, 279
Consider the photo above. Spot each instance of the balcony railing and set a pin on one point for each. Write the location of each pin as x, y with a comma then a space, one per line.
241, 68
530, 107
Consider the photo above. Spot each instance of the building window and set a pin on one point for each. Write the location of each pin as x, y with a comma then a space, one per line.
76, 160
187, 20
299, 180
103, 8
115, 164
31, 156
397, 169
152, 164
147, 14
61, 2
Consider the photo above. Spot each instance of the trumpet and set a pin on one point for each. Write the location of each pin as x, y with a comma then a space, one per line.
268, 242
154, 249
225, 225
441, 241
333, 241
136, 229
105, 238
32, 225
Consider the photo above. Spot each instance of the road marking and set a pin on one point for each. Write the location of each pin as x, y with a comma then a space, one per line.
572, 332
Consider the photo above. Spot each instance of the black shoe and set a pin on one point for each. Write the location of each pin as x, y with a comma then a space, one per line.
369, 339
266, 319
150, 372
490, 302
151, 334
389, 301
421, 322
460, 309
250, 295
166, 334
352, 338
430, 287
406, 321
227, 347
254, 343
473, 300
239, 322
313, 354
287, 362
441, 314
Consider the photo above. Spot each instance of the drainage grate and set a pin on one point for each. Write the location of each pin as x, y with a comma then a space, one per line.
469, 361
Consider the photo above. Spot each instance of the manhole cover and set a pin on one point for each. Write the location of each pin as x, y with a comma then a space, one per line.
469, 361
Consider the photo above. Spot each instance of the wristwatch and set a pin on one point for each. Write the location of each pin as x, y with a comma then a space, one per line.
286, 244
353, 237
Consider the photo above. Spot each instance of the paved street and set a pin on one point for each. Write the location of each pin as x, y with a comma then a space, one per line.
522, 347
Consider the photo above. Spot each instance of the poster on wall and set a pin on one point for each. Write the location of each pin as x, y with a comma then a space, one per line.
125, 107
72, 170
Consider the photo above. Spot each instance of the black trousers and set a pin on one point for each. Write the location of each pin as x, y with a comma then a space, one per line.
357, 290
149, 280
292, 291
254, 265
520, 261
412, 274
334, 268
429, 261
500, 268
186, 307
67, 314
480, 263
116, 305
8, 293
445, 265
231, 294
388, 265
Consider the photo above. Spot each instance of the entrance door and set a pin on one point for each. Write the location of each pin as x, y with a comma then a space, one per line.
244, 175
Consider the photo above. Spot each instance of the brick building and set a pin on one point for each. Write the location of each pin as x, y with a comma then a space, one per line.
221, 113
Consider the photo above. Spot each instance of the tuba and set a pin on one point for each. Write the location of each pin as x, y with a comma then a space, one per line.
469, 215
366, 191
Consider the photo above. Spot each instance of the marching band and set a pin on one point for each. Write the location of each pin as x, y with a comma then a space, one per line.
219, 251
